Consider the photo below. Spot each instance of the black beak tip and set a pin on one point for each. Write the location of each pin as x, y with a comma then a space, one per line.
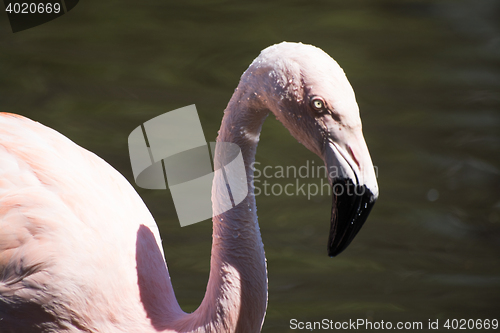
334, 252
351, 205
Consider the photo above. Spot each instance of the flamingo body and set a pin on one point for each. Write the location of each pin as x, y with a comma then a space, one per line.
69, 224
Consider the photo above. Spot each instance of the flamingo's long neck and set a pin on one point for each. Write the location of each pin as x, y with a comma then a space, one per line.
236, 296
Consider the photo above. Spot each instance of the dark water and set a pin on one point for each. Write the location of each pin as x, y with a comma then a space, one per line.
427, 79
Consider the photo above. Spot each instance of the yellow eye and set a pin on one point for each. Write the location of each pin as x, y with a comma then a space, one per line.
318, 103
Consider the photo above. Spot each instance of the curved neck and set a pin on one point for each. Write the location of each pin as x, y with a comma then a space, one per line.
236, 296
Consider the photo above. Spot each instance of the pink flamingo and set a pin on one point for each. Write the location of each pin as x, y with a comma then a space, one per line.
80, 252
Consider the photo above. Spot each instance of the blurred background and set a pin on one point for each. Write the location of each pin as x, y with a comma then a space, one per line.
427, 79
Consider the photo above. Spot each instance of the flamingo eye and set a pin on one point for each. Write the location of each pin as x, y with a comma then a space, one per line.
318, 103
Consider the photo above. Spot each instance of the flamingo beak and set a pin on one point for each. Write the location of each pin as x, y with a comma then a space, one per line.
354, 190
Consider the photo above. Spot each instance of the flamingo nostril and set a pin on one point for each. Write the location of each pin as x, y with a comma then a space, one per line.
354, 157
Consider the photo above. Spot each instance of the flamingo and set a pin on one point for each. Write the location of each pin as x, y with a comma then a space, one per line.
80, 252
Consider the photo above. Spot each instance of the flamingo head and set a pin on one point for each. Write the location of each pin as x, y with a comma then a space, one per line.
310, 94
